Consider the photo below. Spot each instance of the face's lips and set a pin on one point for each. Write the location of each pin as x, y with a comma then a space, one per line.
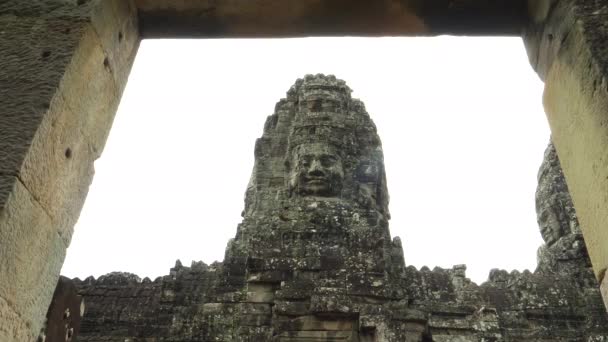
315, 181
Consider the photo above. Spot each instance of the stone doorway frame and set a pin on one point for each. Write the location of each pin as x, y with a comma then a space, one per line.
65, 64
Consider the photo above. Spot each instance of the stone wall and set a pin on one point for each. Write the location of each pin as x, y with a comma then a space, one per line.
566, 43
63, 67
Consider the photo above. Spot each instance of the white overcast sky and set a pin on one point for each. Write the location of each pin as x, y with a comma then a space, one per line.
461, 122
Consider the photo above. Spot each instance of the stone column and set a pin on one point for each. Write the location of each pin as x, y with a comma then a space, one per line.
63, 67
567, 45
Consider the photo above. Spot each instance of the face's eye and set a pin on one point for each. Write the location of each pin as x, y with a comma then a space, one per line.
328, 106
327, 161
543, 216
315, 105
305, 162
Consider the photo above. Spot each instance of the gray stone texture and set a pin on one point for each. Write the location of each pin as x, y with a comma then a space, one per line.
62, 70
564, 244
64, 65
566, 44
313, 259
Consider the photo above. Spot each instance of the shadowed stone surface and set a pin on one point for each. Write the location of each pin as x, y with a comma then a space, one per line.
303, 18
313, 259
64, 315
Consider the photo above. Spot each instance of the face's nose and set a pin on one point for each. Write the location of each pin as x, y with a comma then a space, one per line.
316, 169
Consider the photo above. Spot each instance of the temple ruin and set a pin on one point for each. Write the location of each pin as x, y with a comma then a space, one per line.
313, 259
64, 65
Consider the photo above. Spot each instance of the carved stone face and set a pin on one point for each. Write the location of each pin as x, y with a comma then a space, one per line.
316, 171
550, 227
319, 104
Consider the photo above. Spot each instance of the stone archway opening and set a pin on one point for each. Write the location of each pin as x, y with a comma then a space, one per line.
194, 208
67, 63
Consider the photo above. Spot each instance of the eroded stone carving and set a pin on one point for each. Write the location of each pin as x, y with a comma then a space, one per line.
564, 245
317, 170
313, 259
555, 211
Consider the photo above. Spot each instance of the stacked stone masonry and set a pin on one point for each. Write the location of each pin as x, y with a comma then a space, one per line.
313, 259
62, 71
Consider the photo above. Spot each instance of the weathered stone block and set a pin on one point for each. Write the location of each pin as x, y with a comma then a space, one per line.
12, 326
604, 290
292, 308
450, 338
573, 64
31, 257
316, 336
34, 59
266, 277
305, 323
59, 166
116, 23
58, 98
261, 292
260, 297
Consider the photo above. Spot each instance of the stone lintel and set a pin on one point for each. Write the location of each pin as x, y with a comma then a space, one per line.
303, 18
12, 326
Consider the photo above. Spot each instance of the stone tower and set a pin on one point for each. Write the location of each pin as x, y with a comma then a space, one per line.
313, 259
314, 242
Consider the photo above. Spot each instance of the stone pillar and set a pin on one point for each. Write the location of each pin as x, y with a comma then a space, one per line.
567, 45
63, 67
